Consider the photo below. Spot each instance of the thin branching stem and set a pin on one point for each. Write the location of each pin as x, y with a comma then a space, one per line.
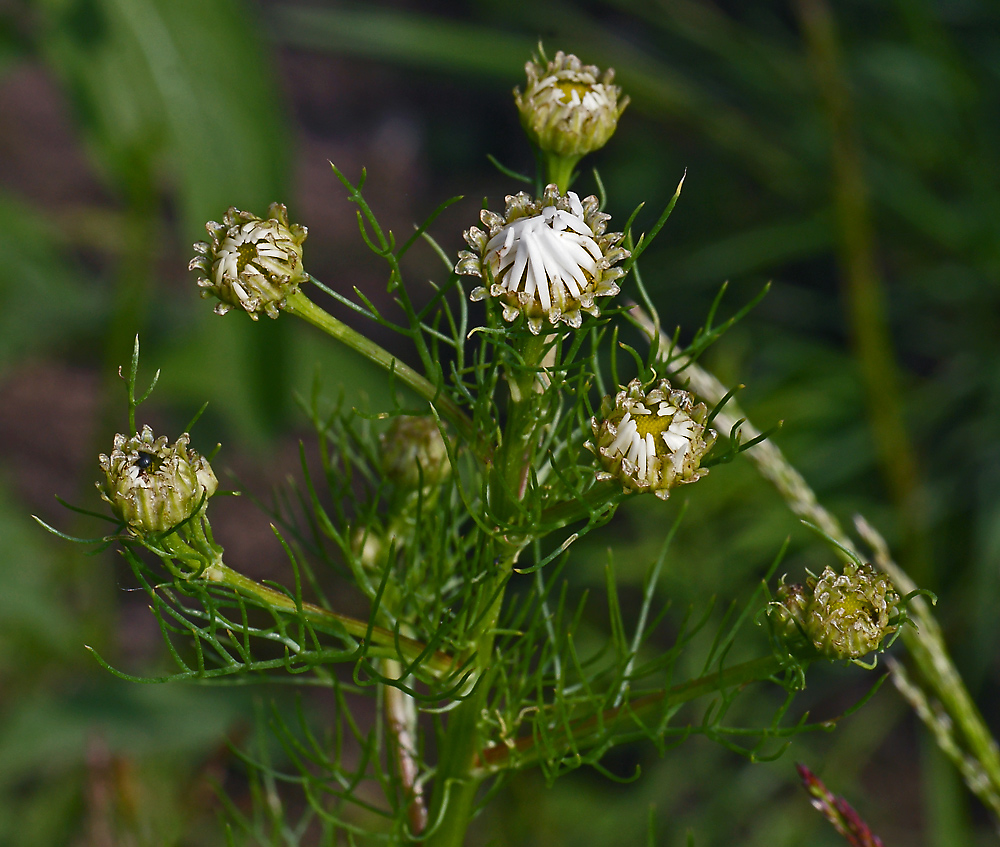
409, 650
301, 306
526, 751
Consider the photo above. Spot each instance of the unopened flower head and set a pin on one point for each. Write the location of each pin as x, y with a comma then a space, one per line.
852, 612
414, 454
651, 440
548, 259
569, 108
839, 615
251, 263
788, 611
152, 485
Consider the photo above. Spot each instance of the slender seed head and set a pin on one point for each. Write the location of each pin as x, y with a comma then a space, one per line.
569, 108
651, 440
154, 486
547, 259
251, 263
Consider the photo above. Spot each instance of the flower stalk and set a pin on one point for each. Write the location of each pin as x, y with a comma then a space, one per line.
301, 306
387, 644
458, 776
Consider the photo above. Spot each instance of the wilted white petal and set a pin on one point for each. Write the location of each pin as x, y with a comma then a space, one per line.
548, 258
651, 441
256, 263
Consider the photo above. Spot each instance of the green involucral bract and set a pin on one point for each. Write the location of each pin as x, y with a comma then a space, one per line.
839, 615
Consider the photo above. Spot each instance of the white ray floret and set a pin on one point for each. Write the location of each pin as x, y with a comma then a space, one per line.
548, 256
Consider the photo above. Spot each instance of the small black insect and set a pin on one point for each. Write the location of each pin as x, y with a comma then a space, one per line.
144, 460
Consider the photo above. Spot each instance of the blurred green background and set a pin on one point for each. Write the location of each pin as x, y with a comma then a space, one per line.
846, 152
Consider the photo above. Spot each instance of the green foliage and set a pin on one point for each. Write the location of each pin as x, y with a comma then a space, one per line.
727, 94
513, 684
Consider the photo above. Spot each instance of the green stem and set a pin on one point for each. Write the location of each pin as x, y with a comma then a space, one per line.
458, 777
458, 780
524, 415
301, 306
559, 169
455, 785
405, 649
525, 751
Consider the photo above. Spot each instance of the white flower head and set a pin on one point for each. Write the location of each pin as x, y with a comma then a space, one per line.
651, 440
548, 259
569, 108
152, 485
251, 263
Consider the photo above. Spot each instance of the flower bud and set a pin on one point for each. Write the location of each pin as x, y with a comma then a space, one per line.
548, 259
153, 486
414, 454
569, 108
651, 440
251, 263
788, 611
842, 616
368, 544
850, 613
